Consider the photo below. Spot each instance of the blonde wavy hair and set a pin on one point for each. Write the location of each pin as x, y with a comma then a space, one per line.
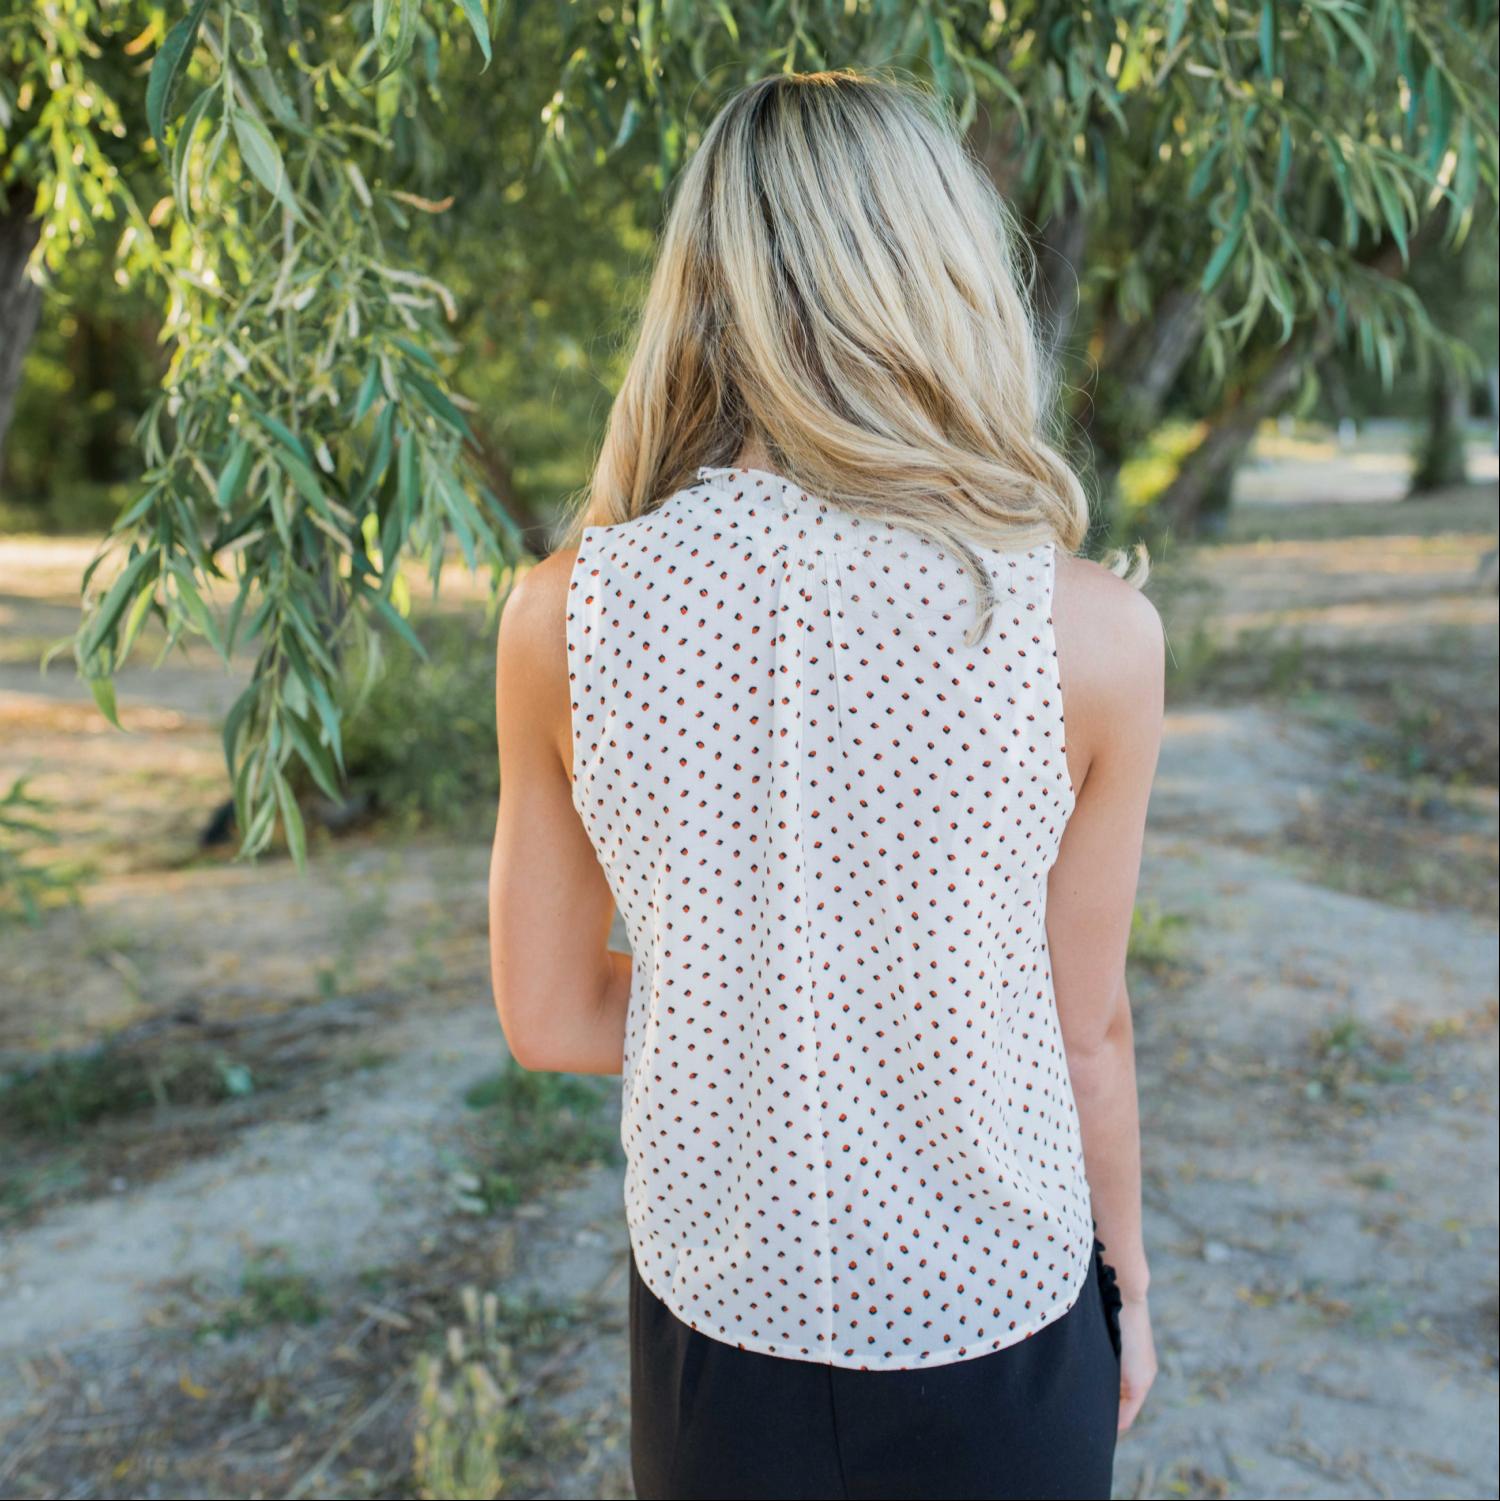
837, 280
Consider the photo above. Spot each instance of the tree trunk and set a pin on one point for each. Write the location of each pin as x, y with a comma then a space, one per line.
20, 301
1138, 367
1441, 461
1182, 503
1233, 426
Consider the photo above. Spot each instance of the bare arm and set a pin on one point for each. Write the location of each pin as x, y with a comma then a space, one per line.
1110, 652
560, 991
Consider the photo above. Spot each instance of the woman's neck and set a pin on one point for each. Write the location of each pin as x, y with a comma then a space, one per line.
754, 455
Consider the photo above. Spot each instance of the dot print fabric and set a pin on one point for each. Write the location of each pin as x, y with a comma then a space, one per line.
827, 822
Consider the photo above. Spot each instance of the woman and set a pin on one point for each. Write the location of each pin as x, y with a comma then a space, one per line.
792, 700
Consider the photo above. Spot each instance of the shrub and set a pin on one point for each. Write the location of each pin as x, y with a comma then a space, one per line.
419, 739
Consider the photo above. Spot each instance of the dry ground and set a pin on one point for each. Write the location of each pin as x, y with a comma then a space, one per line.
230, 1296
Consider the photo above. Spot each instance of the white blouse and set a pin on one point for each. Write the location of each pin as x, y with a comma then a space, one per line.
827, 823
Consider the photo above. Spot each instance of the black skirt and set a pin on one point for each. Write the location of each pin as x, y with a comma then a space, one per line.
1038, 1419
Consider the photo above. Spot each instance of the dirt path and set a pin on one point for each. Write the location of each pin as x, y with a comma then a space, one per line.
1317, 1070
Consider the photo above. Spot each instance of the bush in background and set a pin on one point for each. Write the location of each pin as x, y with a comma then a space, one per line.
419, 741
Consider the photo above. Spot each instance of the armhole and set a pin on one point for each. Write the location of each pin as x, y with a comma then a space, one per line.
579, 631
1054, 670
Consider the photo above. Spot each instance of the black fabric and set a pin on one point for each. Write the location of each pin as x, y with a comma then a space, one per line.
709, 1420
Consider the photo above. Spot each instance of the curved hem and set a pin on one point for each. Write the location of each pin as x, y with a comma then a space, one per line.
849, 1363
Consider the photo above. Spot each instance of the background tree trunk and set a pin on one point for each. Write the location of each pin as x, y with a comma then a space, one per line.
1207, 467
20, 302
1138, 366
1441, 460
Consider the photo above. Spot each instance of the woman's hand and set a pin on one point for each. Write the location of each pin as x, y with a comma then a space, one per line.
1137, 1358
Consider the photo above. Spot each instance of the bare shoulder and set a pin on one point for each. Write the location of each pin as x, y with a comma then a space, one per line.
1110, 660
533, 619
531, 656
1109, 634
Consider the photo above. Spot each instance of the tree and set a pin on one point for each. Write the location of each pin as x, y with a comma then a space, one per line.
1217, 192
1460, 295
306, 437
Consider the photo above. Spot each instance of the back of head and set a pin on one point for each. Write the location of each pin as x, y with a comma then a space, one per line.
837, 281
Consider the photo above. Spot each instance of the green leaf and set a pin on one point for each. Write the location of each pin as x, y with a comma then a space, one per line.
296, 611
317, 688
1359, 39
1204, 173
1001, 82
1175, 24
262, 156
369, 389
726, 15
438, 404
304, 480
415, 350
258, 835
103, 690
127, 521
201, 614
645, 22
182, 149
1284, 161
406, 30
380, 456
134, 621
291, 457
1268, 38
393, 617
937, 53
313, 756
232, 479
406, 484
1221, 258
167, 68
291, 820
235, 720
630, 117
474, 10
1435, 94
1466, 174
1390, 206
278, 429
121, 591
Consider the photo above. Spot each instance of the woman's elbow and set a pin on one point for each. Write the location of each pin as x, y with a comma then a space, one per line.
534, 1059
533, 1044
1096, 1051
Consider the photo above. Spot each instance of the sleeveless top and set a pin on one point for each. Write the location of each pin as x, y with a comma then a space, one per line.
827, 823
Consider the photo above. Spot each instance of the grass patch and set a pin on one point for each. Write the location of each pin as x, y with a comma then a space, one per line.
1423, 727
467, 1430
1267, 662
60, 1095
28, 886
1414, 853
1156, 941
471, 1437
1350, 1062
534, 1125
26, 1185
269, 1295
